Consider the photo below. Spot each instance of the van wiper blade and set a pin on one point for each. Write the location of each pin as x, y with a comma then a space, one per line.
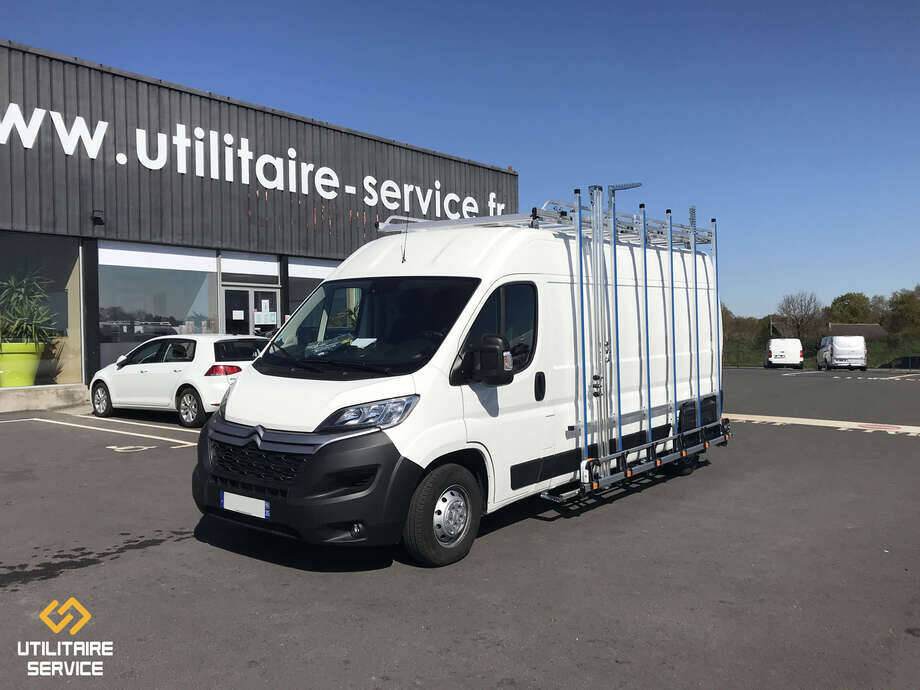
300, 364
353, 364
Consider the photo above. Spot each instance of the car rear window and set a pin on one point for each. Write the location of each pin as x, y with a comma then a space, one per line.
238, 350
849, 340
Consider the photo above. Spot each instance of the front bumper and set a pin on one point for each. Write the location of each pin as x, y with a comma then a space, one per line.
318, 486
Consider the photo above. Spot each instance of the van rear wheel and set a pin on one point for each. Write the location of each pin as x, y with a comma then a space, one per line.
682, 467
443, 517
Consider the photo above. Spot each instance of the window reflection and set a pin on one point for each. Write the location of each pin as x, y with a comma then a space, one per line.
136, 304
40, 310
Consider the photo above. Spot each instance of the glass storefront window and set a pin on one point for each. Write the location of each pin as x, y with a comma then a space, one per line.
303, 277
242, 267
298, 290
40, 310
146, 292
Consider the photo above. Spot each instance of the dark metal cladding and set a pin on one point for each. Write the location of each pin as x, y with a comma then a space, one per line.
54, 181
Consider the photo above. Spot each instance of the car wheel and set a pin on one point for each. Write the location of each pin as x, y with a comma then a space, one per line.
102, 401
191, 411
443, 517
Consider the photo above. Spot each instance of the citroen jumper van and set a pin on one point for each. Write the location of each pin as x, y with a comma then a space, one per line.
842, 352
434, 377
784, 352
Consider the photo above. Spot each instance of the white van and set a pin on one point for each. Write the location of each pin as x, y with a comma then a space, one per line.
434, 377
784, 352
842, 352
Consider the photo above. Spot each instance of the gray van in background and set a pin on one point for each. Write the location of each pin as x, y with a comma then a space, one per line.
842, 352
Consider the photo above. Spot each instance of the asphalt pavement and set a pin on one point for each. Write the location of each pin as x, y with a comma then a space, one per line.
790, 558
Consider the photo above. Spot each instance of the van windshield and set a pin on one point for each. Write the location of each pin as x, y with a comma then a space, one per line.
366, 328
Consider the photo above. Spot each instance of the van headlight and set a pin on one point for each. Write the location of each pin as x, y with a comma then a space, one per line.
380, 413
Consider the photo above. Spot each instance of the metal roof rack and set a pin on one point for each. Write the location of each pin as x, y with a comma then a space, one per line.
559, 216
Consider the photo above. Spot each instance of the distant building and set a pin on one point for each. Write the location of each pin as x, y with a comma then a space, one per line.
867, 330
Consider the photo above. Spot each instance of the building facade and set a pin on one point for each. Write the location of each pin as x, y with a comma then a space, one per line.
131, 208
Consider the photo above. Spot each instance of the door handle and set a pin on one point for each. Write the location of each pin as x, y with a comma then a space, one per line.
539, 386
143, 371
178, 371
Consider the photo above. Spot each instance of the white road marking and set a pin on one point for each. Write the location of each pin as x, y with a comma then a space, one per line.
105, 420
130, 449
179, 443
902, 376
799, 373
828, 423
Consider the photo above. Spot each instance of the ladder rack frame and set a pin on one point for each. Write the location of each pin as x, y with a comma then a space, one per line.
606, 463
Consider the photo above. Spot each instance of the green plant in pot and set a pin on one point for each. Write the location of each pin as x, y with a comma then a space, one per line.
26, 328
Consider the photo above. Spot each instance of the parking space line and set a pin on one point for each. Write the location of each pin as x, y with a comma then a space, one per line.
902, 376
828, 423
105, 420
179, 443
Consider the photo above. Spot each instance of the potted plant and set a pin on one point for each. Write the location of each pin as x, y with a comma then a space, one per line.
26, 327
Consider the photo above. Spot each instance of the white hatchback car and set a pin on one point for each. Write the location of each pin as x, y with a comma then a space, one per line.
187, 373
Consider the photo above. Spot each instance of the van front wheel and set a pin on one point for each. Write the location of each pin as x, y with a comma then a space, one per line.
443, 517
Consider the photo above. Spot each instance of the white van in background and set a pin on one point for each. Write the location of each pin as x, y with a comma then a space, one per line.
434, 377
784, 352
842, 352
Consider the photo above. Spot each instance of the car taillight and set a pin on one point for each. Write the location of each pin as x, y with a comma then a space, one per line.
801, 353
223, 370
769, 353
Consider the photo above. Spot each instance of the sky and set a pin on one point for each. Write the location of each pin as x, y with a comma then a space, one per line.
796, 124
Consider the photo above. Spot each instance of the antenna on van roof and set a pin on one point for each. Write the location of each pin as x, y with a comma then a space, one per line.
405, 241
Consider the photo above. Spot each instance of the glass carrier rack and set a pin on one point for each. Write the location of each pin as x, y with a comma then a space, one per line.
605, 462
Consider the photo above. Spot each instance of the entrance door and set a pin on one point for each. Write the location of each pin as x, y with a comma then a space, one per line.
264, 311
237, 320
250, 311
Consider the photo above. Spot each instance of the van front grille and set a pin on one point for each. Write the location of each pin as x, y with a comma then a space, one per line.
252, 462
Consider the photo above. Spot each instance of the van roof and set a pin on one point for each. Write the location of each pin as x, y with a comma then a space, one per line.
480, 252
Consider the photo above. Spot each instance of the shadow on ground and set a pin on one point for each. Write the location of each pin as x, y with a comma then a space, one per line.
290, 553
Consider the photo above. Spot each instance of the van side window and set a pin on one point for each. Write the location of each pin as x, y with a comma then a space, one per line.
510, 311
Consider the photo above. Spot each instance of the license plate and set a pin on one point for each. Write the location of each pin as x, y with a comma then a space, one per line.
255, 507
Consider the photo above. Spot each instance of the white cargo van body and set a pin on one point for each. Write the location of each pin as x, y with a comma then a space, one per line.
784, 352
518, 438
842, 352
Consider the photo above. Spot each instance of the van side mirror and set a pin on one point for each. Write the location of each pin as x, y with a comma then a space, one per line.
120, 362
495, 362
